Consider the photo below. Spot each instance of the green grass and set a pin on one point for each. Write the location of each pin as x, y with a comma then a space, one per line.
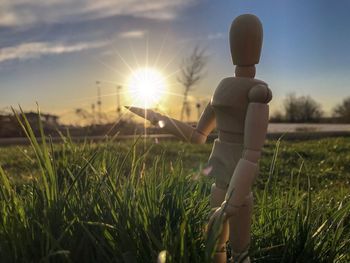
128, 202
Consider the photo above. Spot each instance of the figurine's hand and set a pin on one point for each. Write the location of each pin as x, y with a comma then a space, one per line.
178, 128
154, 117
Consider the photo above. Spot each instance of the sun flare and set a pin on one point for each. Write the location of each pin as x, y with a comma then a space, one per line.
146, 87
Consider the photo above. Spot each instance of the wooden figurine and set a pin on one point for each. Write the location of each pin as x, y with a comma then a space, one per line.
239, 111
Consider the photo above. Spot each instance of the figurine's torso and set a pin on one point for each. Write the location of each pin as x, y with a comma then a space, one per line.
230, 102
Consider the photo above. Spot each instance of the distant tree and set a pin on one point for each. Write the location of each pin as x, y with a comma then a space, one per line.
302, 109
311, 110
291, 108
191, 73
277, 116
342, 110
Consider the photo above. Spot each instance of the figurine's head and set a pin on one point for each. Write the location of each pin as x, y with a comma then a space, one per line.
246, 36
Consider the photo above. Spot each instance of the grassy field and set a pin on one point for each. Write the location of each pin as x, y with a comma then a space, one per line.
142, 201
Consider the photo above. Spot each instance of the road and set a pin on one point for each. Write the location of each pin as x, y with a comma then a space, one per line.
275, 131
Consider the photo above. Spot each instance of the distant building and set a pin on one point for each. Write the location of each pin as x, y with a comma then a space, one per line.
46, 119
9, 126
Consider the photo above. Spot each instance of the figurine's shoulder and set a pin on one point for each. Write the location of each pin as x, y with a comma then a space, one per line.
234, 90
260, 93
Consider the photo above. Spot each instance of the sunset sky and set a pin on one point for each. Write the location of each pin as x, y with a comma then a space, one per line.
53, 52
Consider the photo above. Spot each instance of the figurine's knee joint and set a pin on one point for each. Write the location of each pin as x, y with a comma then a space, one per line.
240, 256
220, 248
198, 137
241, 182
221, 184
218, 188
232, 208
252, 155
217, 195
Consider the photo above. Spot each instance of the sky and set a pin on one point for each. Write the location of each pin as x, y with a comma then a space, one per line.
52, 52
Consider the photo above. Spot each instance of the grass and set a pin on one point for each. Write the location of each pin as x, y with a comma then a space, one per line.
139, 202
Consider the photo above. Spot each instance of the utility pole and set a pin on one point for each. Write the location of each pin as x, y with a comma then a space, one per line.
99, 102
198, 106
93, 113
118, 88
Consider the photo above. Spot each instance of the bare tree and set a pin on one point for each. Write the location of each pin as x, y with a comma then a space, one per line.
277, 117
291, 108
310, 109
342, 110
83, 115
191, 73
302, 109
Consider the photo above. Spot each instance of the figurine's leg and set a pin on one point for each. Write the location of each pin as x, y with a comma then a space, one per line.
220, 252
221, 166
217, 196
238, 207
240, 228
239, 201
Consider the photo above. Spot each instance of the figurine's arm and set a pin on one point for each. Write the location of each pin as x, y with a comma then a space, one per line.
206, 124
187, 133
256, 122
255, 129
178, 128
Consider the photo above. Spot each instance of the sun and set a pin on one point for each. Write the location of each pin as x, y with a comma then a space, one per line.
146, 87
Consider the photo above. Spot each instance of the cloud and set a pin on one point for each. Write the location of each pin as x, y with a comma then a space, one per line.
37, 49
133, 34
26, 12
7, 19
217, 35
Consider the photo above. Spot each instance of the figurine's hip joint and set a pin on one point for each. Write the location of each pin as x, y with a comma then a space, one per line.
223, 160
